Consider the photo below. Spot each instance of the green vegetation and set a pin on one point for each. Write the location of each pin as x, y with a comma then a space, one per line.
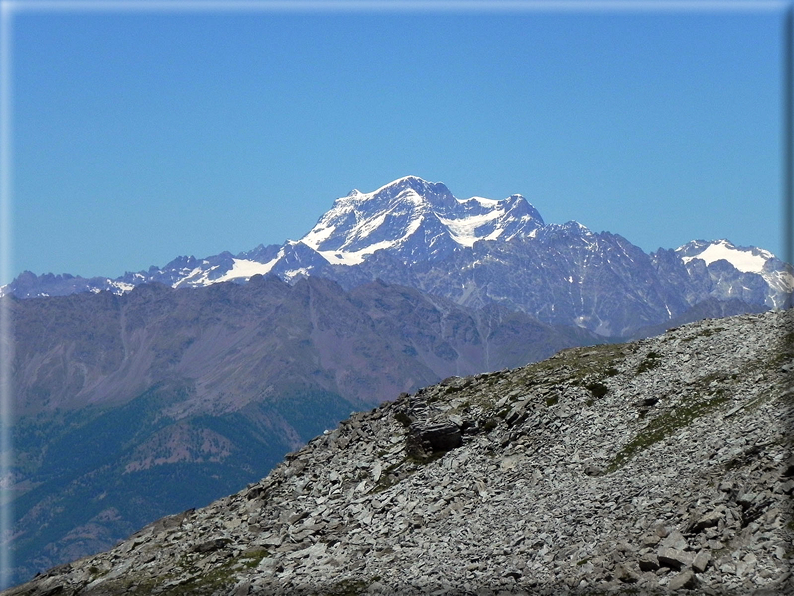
402, 469
402, 418
704, 333
575, 365
597, 389
665, 424
423, 460
651, 361
198, 582
347, 587
572, 366
490, 424
389, 477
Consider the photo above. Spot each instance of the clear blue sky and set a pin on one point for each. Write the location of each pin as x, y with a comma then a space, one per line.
139, 137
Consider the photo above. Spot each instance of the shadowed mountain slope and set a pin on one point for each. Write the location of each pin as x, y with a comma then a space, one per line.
655, 467
131, 407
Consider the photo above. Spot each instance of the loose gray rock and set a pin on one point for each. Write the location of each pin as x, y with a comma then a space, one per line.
701, 561
648, 562
674, 558
685, 579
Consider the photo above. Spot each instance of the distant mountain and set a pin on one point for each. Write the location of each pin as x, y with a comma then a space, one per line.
482, 251
133, 406
416, 221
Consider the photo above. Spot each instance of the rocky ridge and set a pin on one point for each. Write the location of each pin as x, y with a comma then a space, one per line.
660, 465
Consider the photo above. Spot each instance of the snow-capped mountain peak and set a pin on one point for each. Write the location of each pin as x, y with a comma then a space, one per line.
416, 220
746, 260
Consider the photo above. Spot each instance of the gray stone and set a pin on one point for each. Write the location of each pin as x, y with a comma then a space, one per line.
241, 589
625, 574
701, 561
674, 558
684, 580
707, 521
648, 562
650, 539
442, 436
675, 540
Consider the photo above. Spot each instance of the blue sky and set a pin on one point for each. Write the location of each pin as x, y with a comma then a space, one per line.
141, 136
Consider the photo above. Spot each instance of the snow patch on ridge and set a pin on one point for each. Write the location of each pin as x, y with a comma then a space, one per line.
244, 268
746, 261
464, 230
355, 257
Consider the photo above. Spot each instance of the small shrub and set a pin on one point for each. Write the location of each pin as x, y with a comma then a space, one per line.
597, 389
550, 401
402, 418
348, 587
651, 361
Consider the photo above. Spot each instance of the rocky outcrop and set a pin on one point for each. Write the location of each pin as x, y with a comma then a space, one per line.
663, 465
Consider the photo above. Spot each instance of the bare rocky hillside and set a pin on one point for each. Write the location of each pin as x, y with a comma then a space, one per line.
650, 467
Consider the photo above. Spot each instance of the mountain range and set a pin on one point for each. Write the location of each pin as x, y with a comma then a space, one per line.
158, 391
481, 251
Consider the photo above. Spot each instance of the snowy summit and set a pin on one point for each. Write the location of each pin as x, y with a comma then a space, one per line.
416, 220
477, 251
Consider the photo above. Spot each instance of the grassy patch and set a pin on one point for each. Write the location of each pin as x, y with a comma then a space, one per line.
347, 587
423, 460
572, 366
703, 333
198, 583
651, 361
663, 426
